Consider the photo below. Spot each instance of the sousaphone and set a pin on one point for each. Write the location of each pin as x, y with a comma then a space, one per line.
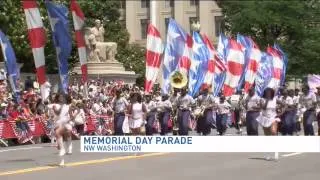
178, 79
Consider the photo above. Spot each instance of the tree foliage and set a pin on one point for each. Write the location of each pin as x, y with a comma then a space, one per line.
294, 25
13, 24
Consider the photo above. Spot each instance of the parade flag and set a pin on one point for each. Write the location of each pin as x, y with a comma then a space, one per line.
10, 64
221, 67
153, 57
252, 60
277, 68
211, 62
178, 53
37, 38
284, 58
78, 22
244, 42
264, 73
58, 16
199, 64
235, 61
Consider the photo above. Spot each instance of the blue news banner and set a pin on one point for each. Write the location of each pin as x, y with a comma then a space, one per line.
132, 143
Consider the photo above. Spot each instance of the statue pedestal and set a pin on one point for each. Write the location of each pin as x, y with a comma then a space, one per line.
108, 71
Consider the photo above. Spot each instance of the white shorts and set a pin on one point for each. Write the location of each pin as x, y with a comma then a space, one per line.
137, 123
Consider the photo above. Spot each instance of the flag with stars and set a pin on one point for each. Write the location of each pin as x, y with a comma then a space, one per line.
10, 63
178, 53
58, 16
199, 64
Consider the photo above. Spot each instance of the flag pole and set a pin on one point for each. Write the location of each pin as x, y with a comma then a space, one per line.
153, 13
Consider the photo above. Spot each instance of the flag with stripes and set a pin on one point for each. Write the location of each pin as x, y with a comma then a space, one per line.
58, 16
37, 38
235, 61
211, 62
153, 57
284, 58
221, 67
277, 68
78, 23
178, 53
252, 59
199, 64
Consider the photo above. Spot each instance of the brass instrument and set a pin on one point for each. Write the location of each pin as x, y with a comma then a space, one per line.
178, 80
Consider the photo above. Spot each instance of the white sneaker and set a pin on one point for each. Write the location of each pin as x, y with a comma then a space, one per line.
62, 151
61, 162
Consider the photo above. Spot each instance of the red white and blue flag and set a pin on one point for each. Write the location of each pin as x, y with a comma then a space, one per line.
221, 67
235, 60
178, 53
153, 57
252, 60
278, 65
208, 80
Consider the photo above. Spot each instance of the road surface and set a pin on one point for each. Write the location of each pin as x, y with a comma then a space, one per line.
32, 162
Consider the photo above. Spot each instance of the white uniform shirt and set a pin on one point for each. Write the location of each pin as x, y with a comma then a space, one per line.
307, 101
120, 105
223, 108
184, 102
253, 103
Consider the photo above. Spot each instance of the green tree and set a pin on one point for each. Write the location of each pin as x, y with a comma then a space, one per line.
13, 24
294, 25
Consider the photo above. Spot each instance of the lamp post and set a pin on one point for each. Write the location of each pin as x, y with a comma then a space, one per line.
196, 27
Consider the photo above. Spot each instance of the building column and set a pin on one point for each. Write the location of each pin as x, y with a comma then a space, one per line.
130, 19
179, 13
206, 18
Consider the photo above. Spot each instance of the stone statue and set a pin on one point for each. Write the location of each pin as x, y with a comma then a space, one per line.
98, 50
98, 31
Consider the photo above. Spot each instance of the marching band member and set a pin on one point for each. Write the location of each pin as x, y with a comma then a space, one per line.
308, 103
151, 114
235, 101
252, 106
268, 118
63, 126
207, 103
164, 109
288, 121
136, 114
223, 110
184, 104
119, 106
296, 99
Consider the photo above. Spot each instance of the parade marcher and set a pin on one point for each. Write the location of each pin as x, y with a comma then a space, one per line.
119, 106
268, 118
137, 113
164, 108
80, 118
252, 106
235, 101
184, 104
63, 126
296, 100
223, 110
151, 114
308, 103
207, 103
288, 119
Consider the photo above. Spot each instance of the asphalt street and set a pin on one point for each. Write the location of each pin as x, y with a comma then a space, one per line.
32, 162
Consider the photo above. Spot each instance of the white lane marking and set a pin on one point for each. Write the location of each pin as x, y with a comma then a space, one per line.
19, 149
291, 154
